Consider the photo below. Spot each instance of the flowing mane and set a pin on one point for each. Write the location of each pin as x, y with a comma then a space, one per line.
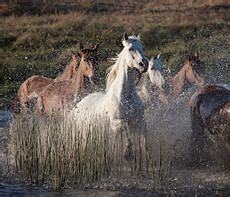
111, 73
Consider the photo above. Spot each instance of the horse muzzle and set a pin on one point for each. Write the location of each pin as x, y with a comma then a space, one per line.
143, 66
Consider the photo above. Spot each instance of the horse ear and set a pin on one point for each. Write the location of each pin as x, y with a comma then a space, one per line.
151, 63
158, 56
139, 36
81, 46
72, 52
78, 55
125, 36
196, 54
96, 47
187, 56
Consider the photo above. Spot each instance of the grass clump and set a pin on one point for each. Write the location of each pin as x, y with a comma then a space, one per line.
59, 153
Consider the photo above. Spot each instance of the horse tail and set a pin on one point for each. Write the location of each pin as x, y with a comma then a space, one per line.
20, 99
22, 95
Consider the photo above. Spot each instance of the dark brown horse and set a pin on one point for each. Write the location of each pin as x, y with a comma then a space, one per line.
210, 110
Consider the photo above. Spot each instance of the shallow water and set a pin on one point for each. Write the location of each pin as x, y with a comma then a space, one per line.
5, 117
7, 190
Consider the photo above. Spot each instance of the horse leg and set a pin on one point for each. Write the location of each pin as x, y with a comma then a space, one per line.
31, 99
39, 106
137, 147
198, 139
128, 149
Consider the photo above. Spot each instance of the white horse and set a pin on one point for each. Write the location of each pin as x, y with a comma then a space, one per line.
120, 104
153, 79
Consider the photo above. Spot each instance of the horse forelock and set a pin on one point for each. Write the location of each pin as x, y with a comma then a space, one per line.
132, 39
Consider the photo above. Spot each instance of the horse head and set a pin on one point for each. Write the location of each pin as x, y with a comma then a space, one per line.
195, 70
154, 72
158, 64
88, 60
134, 52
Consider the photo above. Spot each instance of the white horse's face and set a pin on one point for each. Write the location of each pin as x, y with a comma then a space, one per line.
158, 64
155, 75
135, 53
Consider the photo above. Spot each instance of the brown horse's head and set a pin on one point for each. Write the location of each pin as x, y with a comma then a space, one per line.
194, 70
88, 60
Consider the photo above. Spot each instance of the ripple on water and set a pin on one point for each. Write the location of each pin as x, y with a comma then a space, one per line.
8, 190
5, 117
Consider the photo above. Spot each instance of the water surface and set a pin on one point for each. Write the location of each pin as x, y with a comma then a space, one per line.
7, 190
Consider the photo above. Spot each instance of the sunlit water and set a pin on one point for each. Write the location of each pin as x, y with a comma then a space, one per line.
5, 117
7, 190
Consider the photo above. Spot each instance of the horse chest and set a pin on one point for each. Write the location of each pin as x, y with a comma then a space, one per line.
131, 108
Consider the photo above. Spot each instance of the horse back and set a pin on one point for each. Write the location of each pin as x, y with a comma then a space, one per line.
206, 100
37, 83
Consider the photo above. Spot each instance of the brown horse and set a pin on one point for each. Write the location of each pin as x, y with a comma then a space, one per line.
32, 86
57, 96
192, 72
210, 109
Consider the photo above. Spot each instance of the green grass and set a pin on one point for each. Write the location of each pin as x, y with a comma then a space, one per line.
42, 45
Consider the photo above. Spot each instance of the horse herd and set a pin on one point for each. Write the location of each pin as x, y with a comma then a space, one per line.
125, 98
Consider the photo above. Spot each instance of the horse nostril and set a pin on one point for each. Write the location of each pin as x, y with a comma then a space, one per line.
141, 64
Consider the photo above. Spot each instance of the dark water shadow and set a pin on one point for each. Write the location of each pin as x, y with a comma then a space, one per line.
8, 190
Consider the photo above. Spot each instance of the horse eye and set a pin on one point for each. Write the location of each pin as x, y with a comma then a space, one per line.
130, 49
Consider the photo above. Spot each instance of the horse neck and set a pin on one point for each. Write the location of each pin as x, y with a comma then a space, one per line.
76, 82
144, 82
178, 82
68, 72
124, 83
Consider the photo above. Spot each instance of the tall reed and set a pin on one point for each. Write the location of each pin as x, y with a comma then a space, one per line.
59, 152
